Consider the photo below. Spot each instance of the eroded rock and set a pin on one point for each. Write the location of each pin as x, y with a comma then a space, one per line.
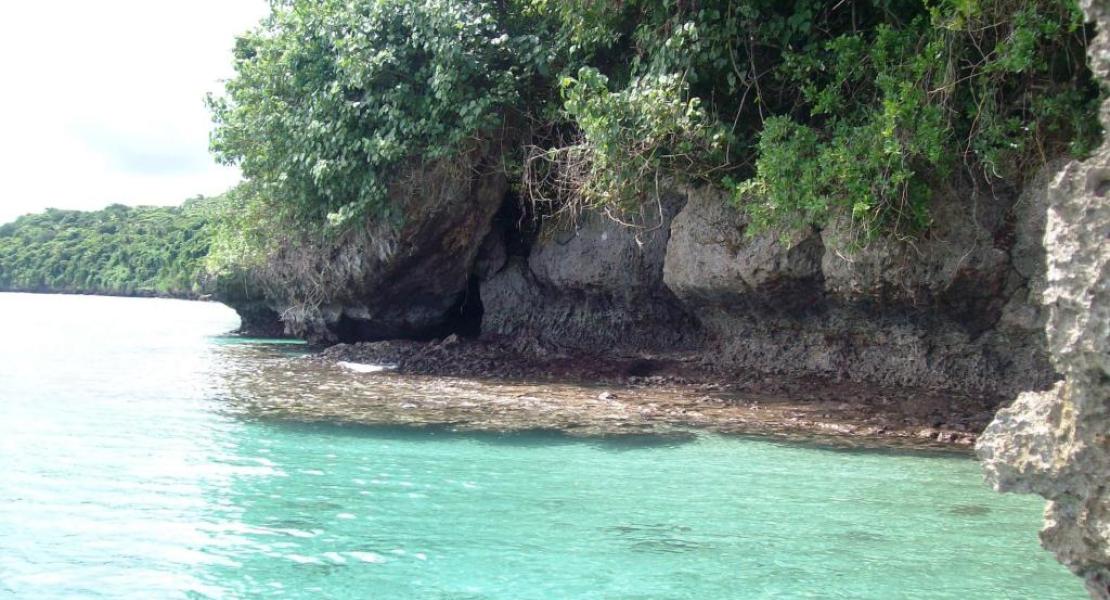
948, 312
403, 277
712, 262
1057, 443
594, 283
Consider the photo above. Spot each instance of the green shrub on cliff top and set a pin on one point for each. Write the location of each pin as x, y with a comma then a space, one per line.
886, 115
331, 96
808, 109
846, 108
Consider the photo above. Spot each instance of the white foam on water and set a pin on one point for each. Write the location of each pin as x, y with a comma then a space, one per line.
364, 368
367, 557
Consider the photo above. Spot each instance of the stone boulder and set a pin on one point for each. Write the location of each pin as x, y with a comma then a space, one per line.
959, 269
620, 255
712, 262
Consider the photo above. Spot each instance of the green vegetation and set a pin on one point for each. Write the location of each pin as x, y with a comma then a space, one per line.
808, 110
888, 114
330, 95
118, 250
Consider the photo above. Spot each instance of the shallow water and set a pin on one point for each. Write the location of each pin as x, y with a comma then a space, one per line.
130, 473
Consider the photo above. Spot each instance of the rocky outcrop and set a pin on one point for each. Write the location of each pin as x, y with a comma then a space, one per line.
593, 284
954, 311
1056, 443
951, 311
713, 264
407, 276
958, 310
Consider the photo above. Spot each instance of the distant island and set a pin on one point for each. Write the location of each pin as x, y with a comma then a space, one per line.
120, 250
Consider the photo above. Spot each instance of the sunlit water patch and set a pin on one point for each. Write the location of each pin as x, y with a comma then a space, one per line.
129, 472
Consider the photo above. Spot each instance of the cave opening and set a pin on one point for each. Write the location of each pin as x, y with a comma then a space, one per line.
465, 319
350, 331
518, 223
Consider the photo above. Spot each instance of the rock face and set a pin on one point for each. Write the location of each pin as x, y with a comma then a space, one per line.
407, 278
952, 311
242, 292
593, 285
956, 311
1056, 443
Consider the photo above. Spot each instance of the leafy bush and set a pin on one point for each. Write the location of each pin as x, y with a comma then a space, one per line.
888, 113
806, 109
330, 97
625, 139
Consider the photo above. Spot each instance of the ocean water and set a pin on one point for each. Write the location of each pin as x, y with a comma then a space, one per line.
123, 474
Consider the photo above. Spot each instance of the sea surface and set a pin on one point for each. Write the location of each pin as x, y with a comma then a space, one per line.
125, 472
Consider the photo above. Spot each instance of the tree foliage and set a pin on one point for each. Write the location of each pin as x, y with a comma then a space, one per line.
855, 108
117, 250
330, 96
807, 109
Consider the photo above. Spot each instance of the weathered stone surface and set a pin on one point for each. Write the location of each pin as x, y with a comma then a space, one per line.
958, 262
598, 253
595, 284
389, 280
892, 314
242, 292
1057, 443
712, 262
956, 311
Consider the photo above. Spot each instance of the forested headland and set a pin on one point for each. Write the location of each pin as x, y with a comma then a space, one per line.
120, 250
801, 113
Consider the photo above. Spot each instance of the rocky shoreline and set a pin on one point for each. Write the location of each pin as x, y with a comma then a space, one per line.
958, 311
898, 340
479, 385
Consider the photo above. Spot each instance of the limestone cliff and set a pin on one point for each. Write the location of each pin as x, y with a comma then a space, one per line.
953, 311
407, 277
957, 310
1056, 443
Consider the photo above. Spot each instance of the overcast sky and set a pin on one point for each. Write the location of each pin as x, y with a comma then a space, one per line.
102, 101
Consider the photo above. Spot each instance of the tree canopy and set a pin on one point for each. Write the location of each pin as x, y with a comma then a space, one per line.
806, 110
117, 250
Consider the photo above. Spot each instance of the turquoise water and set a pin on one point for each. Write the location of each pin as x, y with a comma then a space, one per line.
126, 476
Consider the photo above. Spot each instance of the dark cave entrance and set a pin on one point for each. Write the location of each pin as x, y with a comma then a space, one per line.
518, 224
465, 317
350, 331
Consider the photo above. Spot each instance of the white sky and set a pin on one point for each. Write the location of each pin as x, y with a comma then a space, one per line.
102, 101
